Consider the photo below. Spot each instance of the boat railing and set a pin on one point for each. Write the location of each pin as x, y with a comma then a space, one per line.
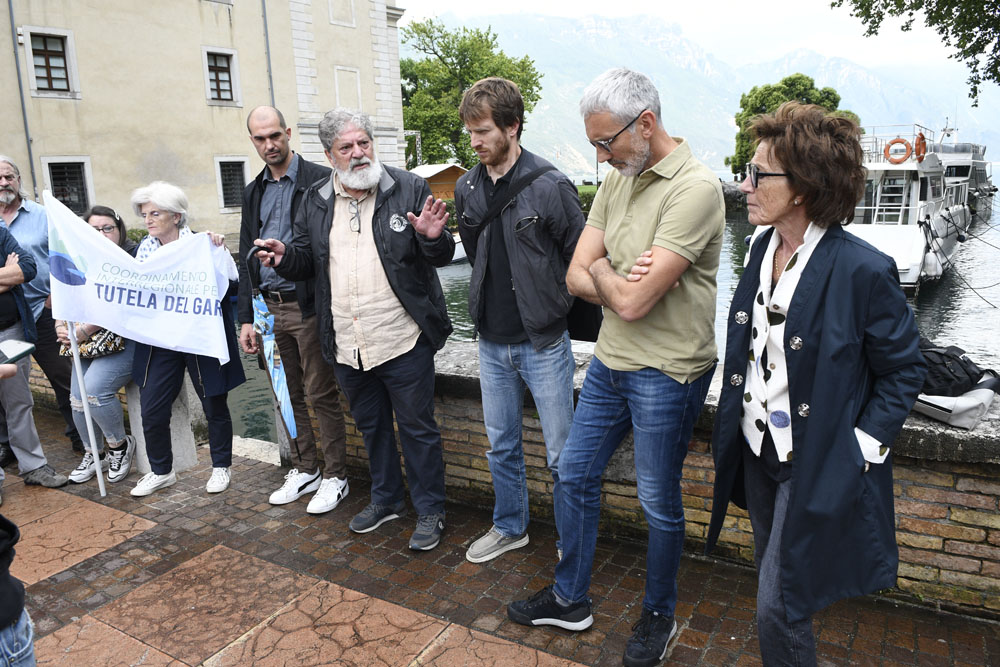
900, 140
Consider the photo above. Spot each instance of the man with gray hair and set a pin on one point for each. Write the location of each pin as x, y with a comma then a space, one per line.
380, 311
29, 225
649, 255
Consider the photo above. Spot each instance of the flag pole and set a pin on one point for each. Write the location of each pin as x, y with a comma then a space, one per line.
78, 369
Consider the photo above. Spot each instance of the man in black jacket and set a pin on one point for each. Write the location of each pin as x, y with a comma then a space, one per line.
381, 312
517, 299
270, 203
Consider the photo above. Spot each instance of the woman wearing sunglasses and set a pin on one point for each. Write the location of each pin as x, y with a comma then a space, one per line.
106, 361
822, 366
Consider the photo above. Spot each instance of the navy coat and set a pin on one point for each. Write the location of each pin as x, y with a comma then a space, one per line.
858, 364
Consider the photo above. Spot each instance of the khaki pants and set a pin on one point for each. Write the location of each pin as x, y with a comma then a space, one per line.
308, 374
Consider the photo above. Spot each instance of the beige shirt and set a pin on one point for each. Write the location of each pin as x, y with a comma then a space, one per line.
369, 322
676, 204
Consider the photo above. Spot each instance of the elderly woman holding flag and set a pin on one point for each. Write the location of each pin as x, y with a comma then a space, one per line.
159, 371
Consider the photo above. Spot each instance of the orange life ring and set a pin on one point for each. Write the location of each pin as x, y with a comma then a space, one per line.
920, 147
898, 160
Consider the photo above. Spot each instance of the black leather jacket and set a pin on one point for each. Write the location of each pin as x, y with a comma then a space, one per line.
408, 258
543, 223
308, 174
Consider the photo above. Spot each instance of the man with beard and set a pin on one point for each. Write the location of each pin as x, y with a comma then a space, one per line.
649, 254
517, 299
28, 224
381, 312
270, 203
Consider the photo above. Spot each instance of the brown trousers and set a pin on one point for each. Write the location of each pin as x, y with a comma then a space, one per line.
308, 374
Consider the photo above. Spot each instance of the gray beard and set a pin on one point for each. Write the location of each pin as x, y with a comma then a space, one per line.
7, 197
366, 179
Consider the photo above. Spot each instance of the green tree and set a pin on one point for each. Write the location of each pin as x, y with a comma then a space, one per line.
767, 98
970, 26
433, 85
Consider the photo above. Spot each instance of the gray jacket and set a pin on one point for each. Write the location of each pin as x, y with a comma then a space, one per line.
543, 223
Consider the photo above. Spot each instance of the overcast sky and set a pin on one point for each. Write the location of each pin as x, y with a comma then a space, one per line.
747, 31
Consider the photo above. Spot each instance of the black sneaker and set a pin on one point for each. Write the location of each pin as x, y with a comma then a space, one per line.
6, 455
427, 534
543, 609
650, 636
375, 515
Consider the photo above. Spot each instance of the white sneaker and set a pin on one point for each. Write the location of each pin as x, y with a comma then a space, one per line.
86, 470
121, 461
219, 481
151, 482
297, 484
331, 492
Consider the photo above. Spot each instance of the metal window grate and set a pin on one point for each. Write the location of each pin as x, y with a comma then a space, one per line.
220, 80
48, 53
69, 185
233, 182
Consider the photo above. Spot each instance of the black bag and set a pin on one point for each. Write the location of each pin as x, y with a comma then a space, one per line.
949, 371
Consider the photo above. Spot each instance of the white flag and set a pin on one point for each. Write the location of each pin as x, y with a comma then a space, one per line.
171, 300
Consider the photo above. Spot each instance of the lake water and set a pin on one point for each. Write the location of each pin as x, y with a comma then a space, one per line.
948, 311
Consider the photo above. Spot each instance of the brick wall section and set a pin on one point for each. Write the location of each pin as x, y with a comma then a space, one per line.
948, 524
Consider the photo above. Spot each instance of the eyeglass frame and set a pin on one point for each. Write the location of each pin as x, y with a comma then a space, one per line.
754, 174
605, 144
355, 210
106, 229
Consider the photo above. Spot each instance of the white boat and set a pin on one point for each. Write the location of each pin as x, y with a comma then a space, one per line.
911, 210
967, 162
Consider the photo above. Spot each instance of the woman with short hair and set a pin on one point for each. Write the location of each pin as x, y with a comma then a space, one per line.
822, 366
159, 371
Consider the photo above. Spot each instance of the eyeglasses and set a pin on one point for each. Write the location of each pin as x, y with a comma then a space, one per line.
106, 229
355, 216
605, 144
755, 174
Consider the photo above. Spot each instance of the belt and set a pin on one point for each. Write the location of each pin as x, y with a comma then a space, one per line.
280, 297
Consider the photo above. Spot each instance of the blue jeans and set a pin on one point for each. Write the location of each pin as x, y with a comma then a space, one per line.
781, 642
103, 377
504, 371
661, 413
17, 647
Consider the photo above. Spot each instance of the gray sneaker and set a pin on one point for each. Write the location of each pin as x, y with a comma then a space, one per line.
427, 534
492, 544
45, 476
375, 515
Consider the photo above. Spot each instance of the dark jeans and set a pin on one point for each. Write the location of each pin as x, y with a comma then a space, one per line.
164, 380
57, 369
768, 488
404, 386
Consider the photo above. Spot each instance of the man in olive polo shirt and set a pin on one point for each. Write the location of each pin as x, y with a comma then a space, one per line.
649, 254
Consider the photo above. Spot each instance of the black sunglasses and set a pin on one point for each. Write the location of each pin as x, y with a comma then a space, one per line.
605, 144
755, 174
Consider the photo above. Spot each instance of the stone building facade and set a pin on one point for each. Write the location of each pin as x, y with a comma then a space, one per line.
104, 96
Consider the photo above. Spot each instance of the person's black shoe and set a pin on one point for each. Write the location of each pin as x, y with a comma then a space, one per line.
78, 446
650, 636
543, 609
6, 455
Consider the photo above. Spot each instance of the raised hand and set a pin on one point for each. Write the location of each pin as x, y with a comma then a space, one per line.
432, 218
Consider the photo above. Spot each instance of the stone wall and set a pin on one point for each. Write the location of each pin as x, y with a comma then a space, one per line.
947, 484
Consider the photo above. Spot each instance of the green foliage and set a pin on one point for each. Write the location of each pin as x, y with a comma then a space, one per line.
970, 26
587, 193
137, 234
767, 98
433, 86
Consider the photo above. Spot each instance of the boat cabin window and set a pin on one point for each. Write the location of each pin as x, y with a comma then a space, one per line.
957, 171
937, 187
923, 188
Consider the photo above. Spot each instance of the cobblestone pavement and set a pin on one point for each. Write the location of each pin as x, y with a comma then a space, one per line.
181, 577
